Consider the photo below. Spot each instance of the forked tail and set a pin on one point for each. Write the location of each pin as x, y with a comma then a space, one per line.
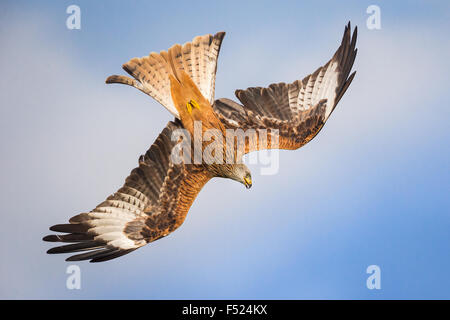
197, 58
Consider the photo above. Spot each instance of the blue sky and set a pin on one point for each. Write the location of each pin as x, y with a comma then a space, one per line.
371, 188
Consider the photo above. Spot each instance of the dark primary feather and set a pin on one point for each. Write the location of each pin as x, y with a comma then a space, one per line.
298, 110
71, 237
81, 246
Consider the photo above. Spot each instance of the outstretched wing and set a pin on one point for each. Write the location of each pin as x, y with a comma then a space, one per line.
297, 110
152, 203
197, 58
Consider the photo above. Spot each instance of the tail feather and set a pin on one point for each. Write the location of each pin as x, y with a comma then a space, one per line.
197, 58
123, 80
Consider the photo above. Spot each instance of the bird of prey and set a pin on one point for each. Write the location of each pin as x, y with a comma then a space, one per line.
157, 195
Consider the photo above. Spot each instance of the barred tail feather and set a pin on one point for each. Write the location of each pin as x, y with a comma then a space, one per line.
197, 58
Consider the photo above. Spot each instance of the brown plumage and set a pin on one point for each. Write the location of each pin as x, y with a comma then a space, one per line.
157, 195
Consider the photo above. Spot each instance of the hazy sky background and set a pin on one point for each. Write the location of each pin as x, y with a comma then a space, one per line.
371, 188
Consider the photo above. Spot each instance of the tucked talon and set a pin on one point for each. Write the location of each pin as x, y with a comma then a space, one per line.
194, 104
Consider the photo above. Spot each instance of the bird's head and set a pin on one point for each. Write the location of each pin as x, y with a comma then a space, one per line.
241, 173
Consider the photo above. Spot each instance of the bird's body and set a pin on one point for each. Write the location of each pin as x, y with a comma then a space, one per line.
157, 195
185, 94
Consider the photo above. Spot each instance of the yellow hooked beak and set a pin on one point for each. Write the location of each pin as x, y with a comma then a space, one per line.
248, 182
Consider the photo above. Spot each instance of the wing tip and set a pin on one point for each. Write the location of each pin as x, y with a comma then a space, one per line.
346, 53
220, 35
120, 79
51, 238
